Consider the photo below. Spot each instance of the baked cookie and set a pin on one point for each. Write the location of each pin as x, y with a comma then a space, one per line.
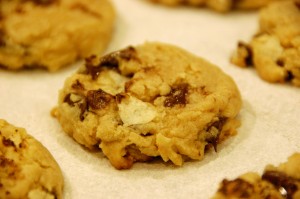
147, 101
275, 50
52, 33
219, 5
27, 169
276, 182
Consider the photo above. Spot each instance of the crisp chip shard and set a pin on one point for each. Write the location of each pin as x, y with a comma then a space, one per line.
134, 111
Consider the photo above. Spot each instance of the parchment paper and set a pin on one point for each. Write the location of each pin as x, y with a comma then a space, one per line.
270, 115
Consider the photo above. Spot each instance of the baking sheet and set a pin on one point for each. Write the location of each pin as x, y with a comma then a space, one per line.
270, 115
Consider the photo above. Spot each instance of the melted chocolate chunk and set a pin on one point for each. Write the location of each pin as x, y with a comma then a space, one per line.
110, 60
238, 188
68, 100
213, 140
7, 142
177, 95
281, 180
83, 107
81, 104
289, 76
98, 99
5, 162
297, 4
128, 53
91, 69
280, 62
42, 2
78, 85
2, 41
248, 59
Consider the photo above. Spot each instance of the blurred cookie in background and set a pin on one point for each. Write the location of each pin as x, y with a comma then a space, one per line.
275, 50
52, 34
218, 5
276, 182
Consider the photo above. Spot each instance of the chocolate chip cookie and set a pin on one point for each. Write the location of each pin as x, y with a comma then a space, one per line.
275, 50
219, 5
148, 101
276, 182
27, 169
52, 34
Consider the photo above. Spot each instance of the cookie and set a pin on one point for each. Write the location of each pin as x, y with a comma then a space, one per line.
218, 5
152, 100
275, 50
276, 182
27, 169
52, 34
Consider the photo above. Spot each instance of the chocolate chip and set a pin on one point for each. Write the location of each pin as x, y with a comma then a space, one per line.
297, 4
110, 60
83, 108
119, 97
128, 53
177, 96
68, 100
22, 145
98, 99
281, 180
2, 40
248, 58
78, 85
289, 76
8, 142
238, 188
214, 139
280, 62
41, 2
5, 162
82, 104
91, 69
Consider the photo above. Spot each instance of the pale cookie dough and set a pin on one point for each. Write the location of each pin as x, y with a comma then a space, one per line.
27, 169
52, 34
148, 101
219, 5
282, 182
275, 50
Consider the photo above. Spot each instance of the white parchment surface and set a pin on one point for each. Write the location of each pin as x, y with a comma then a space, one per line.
270, 115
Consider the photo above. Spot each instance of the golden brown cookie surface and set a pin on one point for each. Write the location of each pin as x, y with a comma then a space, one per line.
27, 169
53, 33
147, 101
